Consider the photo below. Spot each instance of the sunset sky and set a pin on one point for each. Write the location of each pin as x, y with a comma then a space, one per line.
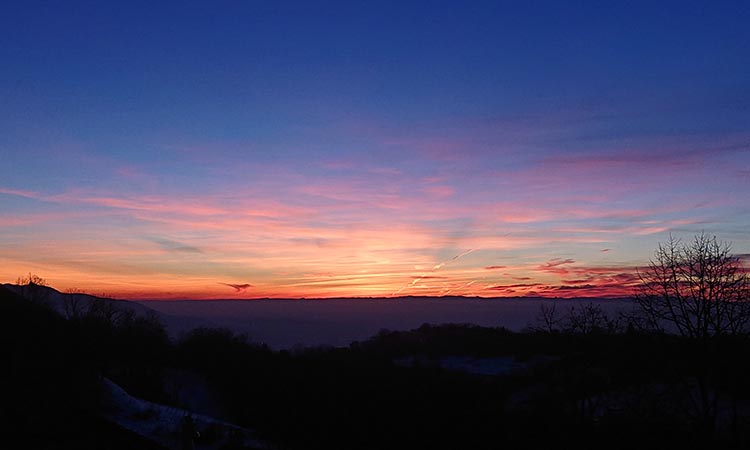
316, 149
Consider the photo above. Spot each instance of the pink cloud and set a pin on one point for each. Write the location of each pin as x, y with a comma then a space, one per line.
554, 266
439, 191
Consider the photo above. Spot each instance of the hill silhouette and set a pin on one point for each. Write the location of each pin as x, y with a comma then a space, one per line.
49, 383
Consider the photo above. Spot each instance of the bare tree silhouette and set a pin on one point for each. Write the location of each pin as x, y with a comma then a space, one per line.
34, 288
701, 291
697, 289
548, 318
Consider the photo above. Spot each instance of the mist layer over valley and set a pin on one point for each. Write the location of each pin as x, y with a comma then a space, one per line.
338, 322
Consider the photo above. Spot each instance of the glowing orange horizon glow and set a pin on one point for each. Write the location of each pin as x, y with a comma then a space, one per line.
290, 235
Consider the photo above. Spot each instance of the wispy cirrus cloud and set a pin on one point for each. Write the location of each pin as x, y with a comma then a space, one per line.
20, 193
175, 246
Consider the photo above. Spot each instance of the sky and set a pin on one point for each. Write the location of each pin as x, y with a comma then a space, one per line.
252, 149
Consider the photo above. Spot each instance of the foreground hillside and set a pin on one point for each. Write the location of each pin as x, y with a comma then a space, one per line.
49, 383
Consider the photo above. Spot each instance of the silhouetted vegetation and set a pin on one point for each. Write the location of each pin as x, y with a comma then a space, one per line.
603, 388
697, 289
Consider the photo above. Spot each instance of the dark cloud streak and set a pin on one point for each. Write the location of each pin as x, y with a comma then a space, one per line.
175, 246
238, 287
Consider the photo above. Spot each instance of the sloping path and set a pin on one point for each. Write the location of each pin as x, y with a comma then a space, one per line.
162, 424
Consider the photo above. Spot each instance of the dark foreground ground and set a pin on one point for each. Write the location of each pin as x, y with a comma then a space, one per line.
598, 387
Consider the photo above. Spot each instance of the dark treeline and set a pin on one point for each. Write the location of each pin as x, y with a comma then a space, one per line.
620, 390
584, 387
